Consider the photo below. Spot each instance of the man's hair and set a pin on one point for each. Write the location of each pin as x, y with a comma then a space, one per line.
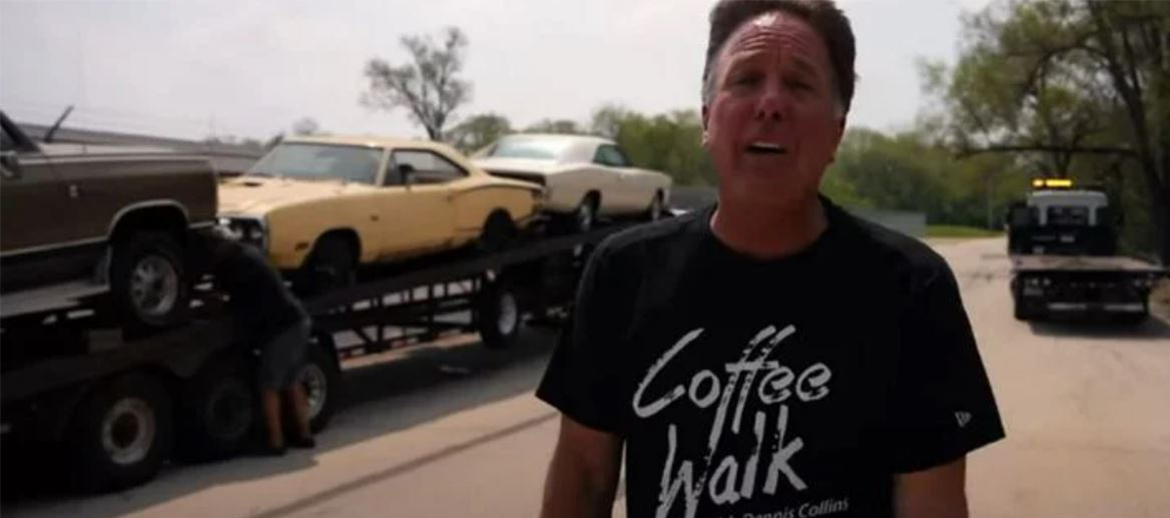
822, 15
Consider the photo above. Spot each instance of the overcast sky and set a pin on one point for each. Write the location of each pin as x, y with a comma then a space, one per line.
193, 68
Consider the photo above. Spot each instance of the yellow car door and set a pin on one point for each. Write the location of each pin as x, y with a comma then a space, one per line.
416, 208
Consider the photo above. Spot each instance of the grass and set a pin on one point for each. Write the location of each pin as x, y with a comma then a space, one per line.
960, 231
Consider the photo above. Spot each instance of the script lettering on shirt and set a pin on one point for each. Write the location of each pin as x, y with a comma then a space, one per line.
729, 392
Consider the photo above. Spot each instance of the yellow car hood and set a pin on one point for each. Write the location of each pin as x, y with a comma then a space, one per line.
258, 195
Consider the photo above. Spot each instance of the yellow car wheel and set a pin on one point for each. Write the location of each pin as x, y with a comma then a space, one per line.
498, 232
331, 266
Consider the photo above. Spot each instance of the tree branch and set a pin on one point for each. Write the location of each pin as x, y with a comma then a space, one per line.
1040, 148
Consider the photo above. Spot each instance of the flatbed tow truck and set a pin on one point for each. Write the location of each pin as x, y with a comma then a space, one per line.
114, 409
1063, 247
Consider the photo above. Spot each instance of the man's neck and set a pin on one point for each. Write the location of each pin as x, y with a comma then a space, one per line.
769, 232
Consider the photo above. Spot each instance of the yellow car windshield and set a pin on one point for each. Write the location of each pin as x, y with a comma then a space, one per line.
321, 162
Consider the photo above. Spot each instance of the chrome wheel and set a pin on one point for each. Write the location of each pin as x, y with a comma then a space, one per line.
316, 386
585, 216
656, 208
509, 314
128, 431
154, 286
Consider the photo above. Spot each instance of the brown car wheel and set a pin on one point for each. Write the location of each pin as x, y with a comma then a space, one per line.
148, 280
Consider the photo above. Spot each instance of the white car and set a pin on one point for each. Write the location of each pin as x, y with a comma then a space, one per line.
583, 176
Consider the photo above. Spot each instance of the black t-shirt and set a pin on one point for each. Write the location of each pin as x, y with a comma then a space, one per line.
779, 388
261, 305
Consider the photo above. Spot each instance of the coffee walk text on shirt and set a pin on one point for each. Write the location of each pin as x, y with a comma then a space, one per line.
786, 388
775, 389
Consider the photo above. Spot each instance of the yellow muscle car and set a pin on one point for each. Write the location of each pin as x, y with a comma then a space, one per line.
321, 206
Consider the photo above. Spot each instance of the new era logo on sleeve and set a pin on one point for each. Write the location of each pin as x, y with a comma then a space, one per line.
963, 418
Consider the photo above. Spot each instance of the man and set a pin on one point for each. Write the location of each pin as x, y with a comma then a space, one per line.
267, 316
772, 355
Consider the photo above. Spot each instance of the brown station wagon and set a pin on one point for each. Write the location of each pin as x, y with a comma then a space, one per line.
78, 220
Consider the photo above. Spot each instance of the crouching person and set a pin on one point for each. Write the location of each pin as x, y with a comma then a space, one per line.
268, 317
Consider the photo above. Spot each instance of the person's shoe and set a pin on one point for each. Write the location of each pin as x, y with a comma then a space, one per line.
305, 443
273, 451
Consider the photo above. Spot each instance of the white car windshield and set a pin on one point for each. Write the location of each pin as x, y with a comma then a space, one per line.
530, 147
321, 161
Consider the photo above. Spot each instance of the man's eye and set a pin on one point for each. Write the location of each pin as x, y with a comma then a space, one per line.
747, 79
799, 85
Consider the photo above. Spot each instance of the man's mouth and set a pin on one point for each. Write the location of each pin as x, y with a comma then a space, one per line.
766, 148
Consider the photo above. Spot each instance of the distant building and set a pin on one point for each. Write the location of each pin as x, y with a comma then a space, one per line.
228, 159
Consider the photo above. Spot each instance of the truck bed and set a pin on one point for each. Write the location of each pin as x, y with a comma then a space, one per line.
1082, 263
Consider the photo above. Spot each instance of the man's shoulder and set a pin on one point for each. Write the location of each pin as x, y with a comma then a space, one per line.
888, 250
650, 237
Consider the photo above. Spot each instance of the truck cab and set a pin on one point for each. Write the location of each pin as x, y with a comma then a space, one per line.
1059, 220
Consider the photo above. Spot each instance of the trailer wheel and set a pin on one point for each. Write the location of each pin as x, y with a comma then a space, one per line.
1020, 312
498, 315
320, 377
220, 413
1133, 319
121, 434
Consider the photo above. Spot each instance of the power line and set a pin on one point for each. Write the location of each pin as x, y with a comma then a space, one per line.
122, 119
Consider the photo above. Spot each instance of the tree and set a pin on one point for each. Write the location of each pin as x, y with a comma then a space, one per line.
907, 171
607, 120
306, 126
428, 86
478, 131
1074, 88
558, 126
668, 142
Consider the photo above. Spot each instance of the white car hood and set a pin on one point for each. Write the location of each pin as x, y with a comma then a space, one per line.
518, 165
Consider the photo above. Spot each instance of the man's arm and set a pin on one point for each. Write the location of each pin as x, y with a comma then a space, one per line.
583, 476
936, 492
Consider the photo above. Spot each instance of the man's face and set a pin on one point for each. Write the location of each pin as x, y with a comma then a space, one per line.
772, 124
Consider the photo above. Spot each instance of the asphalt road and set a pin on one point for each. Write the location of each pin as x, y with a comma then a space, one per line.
454, 430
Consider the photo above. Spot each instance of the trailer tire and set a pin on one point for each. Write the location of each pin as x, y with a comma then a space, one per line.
1133, 319
498, 315
121, 434
1019, 311
1028, 311
220, 414
320, 377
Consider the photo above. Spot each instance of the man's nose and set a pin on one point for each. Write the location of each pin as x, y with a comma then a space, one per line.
771, 104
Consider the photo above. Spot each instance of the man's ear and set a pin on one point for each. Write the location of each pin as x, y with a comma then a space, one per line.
705, 113
840, 135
